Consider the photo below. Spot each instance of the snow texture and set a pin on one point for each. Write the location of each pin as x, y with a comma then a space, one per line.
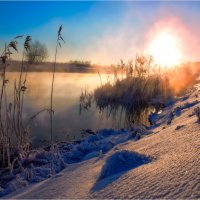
163, 163
122, 161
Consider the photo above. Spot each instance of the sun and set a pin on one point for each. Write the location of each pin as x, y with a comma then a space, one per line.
165, 49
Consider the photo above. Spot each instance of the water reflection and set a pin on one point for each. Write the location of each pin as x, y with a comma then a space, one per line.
67, 122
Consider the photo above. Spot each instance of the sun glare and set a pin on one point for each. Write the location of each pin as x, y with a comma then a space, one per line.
165, 50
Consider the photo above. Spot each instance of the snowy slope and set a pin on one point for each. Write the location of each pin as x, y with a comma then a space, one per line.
172, 171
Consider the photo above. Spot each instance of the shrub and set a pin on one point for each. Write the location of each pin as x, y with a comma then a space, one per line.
38, 52
136, 91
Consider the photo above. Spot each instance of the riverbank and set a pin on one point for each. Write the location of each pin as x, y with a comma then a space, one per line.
161, 161
68, 67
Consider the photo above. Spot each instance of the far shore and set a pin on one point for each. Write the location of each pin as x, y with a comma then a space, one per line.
70, 67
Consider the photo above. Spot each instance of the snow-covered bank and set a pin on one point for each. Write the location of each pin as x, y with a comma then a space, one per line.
37, 166
166, 161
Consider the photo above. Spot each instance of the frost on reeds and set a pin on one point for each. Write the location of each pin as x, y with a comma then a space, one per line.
7, 113
85, 100
58, 43
15, 143
14, 128
136, 86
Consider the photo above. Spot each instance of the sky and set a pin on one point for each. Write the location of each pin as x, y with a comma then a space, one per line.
103, 32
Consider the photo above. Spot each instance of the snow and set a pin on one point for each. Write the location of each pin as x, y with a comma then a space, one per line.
121, 161
160, 162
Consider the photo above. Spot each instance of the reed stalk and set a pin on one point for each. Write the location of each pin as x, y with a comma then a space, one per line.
59, 38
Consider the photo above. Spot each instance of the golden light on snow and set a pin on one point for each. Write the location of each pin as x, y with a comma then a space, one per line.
165, 49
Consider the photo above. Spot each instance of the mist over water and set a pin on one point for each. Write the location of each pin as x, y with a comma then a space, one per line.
67, 121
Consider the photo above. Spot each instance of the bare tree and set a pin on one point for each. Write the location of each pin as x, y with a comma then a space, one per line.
38, 52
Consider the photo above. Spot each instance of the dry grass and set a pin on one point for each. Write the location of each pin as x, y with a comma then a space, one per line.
14, 129
58, 43
136, 86
13, 134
